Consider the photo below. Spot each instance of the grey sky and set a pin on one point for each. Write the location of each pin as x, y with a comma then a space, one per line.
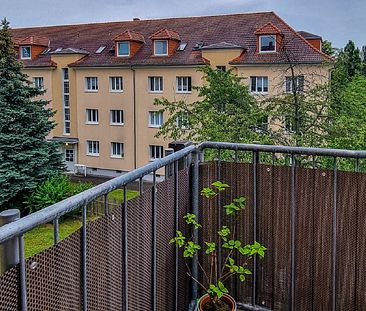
335, 20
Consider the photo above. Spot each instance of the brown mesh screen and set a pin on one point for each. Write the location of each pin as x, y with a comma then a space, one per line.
9, 290
313, 234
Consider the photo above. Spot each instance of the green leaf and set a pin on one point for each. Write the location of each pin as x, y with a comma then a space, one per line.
191, 219
220, 186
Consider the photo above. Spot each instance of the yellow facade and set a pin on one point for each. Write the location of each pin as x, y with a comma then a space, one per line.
136, 101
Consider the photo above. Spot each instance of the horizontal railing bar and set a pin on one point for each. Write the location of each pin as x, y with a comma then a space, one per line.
59, 209
342, 153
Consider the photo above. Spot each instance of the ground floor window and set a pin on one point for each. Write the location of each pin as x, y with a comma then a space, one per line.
117, 150
156, 152
92, 147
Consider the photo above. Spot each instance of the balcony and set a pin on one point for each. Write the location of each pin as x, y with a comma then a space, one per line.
301, 204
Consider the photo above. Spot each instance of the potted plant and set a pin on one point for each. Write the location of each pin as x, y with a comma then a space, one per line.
216, 297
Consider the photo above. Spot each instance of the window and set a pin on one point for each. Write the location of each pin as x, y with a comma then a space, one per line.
92, 116
155, 84
117, 150
294, 82
66, 100
25, 52
182, 120
155, 118
184, 84
69, 155
160, 47
221, 68
267, 43
115, 84
91, 84
123, 49
38, 83
156, 152
259, 84
116, 117
92, 147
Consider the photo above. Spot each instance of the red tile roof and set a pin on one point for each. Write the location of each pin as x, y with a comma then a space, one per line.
268, 29
165, 34
34, 40
237, 29
130, 35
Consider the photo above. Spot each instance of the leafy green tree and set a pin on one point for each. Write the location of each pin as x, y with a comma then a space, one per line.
363, 53
327, 48
225, 111
26, 158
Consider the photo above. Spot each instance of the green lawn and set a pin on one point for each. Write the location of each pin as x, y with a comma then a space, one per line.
41, 238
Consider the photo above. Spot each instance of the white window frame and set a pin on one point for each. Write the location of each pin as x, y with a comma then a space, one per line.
260, 43
167, 48
87, 84
112, 83
95, 148
155, 150
296, 81
121, 112
180, 119
180, 81
114, 155
90, 114
129, 49
66, 101
156, 119
21, 52
256, 84
160, 83
38, 82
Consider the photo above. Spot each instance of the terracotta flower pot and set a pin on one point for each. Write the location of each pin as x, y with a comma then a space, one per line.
206, 298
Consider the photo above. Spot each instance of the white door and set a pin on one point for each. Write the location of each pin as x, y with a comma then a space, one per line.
69, 156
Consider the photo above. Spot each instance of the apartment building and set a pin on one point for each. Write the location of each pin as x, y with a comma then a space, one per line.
102, 78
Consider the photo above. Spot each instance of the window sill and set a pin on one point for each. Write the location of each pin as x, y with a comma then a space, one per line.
92, 123
91, 91
116, 157
66, 134
154, 126
184, 92
155, 92
116, 124
92, 155
115, 91
259, 93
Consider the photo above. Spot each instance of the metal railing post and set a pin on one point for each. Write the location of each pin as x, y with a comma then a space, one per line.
84, 258
9, 250
169, 167
154, 254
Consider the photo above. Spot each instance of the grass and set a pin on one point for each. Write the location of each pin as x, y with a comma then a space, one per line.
41, 238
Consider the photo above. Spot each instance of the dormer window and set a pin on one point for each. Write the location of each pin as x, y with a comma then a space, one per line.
123, 49
267, 44
25, 52
161, 47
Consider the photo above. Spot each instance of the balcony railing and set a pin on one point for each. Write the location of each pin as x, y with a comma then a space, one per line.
309, 217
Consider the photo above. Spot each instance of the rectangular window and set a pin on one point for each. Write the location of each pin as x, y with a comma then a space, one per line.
155, 84
69, 155
25, 52
115, 84
116, 117
92, 116
259, 84
156, 152
221, 68
182, 120
123, 49
294, 83
155, 118
92, 147
91, 84
38, 83
267, 44
66, 100
161, 47
117, 150
184, 84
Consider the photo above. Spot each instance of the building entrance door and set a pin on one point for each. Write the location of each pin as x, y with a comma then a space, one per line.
69, 157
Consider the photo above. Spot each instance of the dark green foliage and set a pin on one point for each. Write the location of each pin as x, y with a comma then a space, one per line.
225, 112
53, 190
26, 158
363, 54
327, 48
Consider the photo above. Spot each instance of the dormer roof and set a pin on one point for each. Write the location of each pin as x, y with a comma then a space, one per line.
165, 34
130, 35
35, 40
268, 29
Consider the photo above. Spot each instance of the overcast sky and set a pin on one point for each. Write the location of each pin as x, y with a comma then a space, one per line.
335, 20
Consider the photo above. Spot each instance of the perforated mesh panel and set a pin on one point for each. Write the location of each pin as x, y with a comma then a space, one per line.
9, 290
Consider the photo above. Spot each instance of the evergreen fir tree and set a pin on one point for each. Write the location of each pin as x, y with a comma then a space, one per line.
26, 157
363, 52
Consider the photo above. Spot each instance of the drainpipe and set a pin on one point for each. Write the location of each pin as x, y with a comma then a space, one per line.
134, 117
